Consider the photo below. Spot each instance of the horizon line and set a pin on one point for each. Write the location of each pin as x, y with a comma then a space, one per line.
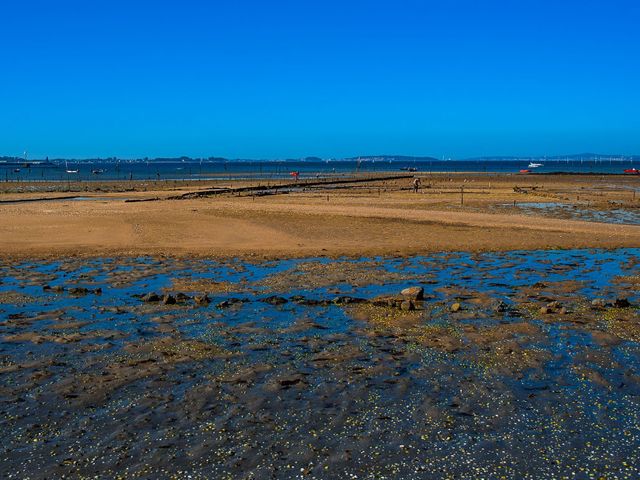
390, 157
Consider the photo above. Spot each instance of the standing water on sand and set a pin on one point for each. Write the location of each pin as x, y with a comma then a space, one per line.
523, 364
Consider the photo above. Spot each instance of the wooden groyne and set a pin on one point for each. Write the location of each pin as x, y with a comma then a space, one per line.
283, 187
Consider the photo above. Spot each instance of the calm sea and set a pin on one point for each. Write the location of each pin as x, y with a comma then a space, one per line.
195, 170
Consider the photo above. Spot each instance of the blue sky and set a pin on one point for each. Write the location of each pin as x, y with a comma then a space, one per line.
275, 79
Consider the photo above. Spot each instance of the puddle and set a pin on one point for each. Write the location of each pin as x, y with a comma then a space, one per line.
99, 199
69, 199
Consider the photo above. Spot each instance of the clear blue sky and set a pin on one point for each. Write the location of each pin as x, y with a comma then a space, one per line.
274, 79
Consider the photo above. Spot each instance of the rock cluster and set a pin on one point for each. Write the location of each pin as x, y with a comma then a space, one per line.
600, 303
408, 299
73, 291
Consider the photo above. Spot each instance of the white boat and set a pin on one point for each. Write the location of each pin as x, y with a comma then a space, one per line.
66, 165
535, 165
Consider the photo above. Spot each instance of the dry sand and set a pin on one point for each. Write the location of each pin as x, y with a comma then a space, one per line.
368, 219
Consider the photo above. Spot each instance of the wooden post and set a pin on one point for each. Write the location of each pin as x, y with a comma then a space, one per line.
462, 195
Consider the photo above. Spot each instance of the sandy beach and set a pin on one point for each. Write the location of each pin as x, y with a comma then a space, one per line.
373, 218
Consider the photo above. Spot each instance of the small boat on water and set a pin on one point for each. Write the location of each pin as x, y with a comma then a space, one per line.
535, 165
98, 171
409, 169
633, 171
524, 170
66, 165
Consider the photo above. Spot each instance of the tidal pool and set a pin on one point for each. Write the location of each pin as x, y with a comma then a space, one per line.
623, 216
515, 365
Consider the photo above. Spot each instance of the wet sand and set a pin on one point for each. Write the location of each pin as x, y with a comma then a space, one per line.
516, 365
373, 219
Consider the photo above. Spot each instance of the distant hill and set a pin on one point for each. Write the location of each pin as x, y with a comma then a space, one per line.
364, 158
391, 158
572, 157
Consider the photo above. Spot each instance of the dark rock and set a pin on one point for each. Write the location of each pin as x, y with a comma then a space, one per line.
151, 297
275, 300
78, 291
621, 303
346, 300
501, 307
407, 306
57, 288
202, 299
309, 302
385, 301
229, 302
168, 299
181, 297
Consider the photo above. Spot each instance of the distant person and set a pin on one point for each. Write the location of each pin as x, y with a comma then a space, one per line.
416, 184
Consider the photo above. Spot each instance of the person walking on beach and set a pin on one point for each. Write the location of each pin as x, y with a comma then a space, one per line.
416, 184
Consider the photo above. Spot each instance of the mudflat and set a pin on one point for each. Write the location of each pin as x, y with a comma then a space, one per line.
452, 365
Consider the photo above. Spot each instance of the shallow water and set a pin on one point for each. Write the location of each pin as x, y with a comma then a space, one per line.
122, 170
67, 199
100, 382
555, 209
